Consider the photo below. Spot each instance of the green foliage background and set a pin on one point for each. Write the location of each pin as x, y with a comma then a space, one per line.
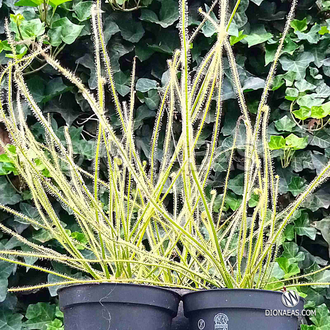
301, 139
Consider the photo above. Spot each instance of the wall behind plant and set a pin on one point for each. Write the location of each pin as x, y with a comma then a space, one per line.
299, 130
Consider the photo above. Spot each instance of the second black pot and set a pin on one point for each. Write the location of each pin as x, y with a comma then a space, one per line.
117, 307
241, 309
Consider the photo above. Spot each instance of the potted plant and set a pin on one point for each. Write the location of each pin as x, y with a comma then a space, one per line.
137, 237
240, 249
123, 251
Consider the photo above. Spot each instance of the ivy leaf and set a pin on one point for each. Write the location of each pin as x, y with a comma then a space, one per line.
28, 3
312, 36
166, 43
320, 139
10, 320
298, 65
208, 28
152, 100
257, 2
233, 201
299, 25
303, 228
291, 94
303, 85
321, 320
257, 36
56, 3
324, 227
54, 88
6, 270
8, 194
319, 161
297, 185
237, 184
67, 30
55, 325
234, 39
292, 253
276, 142
39, 315
121, 82
289, 47
130, 30
31, 212
168, 14
285, 124
303, 113
32, 28
295, 142
110, 28
3, 290
290, 269
323, 30
144, 85
82, 10
320, 112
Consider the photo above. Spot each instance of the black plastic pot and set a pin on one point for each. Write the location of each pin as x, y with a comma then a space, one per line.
117, 307
240, 309
180, 322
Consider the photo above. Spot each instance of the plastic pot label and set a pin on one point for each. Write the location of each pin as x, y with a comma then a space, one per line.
221, 322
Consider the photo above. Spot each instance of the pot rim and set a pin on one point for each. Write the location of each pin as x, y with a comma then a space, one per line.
224, 298
126, 293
